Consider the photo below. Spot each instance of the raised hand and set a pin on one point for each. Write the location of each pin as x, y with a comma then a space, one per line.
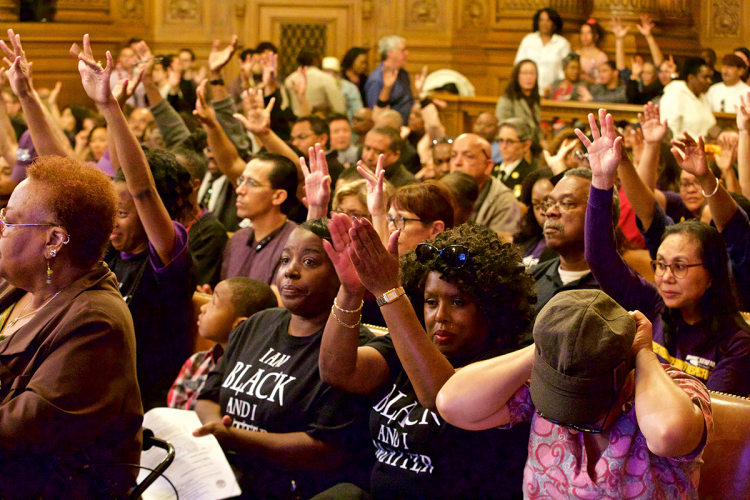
173, 79
743, 113
604, 152
375, 198
389, 77
95, 79
693, 157
257, 118
54, 94
419, 80
19, 69
299, 82
317, 180
377, 267
636, 66
218, 58
643, 336
728, 145
653, 129
270, 62
338, 251
125, 87
647, 24
557, 162
203, 111
617, 28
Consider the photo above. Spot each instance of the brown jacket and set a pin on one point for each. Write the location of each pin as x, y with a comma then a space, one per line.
69, 395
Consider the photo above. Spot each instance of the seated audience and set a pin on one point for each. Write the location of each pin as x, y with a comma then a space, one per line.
475, 306
607, 419
265, 192
496, 206
515, 141
286, 430
232, 302
389, 85
709, 55
744, 54
409, 157
442, 150
545, 47
644, 85
570, 87
308, 131
354, 69
350, 91
521, 98
591, 56
684, 103
694, 309
340, 131
361, 124
724, 97
419, 212
386, 142
611, 87
351, 199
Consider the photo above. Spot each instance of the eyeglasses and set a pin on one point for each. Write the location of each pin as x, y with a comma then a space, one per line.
580, 155
509, 142
581, 428
562, 206
452, 255
301, 137
442, 140
249, 182
400, 222
679, 269
689, 184
352, 213
4, 224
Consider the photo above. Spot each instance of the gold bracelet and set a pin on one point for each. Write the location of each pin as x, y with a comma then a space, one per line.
336, 304
355, 325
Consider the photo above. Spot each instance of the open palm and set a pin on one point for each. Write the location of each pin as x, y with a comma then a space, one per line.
218, 58
604, 152
95, 79
19, 69
693, 158
653, 129
338, 252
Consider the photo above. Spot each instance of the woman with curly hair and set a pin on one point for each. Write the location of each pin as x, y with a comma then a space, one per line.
150, 255
478, 301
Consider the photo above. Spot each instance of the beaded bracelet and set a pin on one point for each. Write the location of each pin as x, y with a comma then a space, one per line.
346, 310
707, 195
355, 325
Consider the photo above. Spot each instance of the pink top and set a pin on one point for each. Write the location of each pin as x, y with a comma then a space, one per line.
557, 464
591, 66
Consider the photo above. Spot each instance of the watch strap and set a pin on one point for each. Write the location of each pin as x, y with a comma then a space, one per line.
390, 296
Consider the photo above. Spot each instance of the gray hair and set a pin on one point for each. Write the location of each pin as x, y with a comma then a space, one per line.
387, 44
520, 126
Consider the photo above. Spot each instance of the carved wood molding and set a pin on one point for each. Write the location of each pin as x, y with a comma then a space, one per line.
725, 19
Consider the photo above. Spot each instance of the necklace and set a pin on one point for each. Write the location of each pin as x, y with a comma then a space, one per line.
19, 318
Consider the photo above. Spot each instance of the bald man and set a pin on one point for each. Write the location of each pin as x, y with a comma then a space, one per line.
487, 125
496, 206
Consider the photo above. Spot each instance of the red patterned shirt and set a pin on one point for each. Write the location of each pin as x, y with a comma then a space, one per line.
557, 467
192, 378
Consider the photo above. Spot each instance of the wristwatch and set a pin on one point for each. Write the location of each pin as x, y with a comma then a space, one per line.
390, 296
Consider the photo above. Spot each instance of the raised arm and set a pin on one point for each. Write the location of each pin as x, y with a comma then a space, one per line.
378, 269
376, 202
227, 158
151, 210
743, 146
619, 33
725, 160
476, 396
692, 158
669, 420
217, 59
647, 24
342, 362
8, 139
641, 190
317, 183
47, 137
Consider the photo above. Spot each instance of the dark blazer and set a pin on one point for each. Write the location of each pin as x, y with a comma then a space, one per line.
515, 179
69, 395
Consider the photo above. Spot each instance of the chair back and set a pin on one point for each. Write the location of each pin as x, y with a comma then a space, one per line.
725, 473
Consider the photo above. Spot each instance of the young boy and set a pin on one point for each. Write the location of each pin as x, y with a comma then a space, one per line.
233, 301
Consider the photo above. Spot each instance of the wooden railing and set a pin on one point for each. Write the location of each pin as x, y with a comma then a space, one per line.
461, 112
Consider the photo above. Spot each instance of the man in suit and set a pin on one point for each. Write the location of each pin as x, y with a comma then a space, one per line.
515, 140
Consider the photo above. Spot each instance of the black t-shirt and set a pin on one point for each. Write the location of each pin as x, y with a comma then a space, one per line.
160, 301
268, 381
420, 456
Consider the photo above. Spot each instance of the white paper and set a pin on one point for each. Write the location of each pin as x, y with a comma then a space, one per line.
200, 470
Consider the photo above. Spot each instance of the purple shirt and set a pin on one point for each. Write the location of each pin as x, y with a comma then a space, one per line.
243, 258
723, 365
675, 207
25, 155
105, 165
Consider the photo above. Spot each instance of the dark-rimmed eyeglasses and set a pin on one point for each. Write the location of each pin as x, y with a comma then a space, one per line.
4, 224
583, 427
452, 255
679, 269
400, 222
